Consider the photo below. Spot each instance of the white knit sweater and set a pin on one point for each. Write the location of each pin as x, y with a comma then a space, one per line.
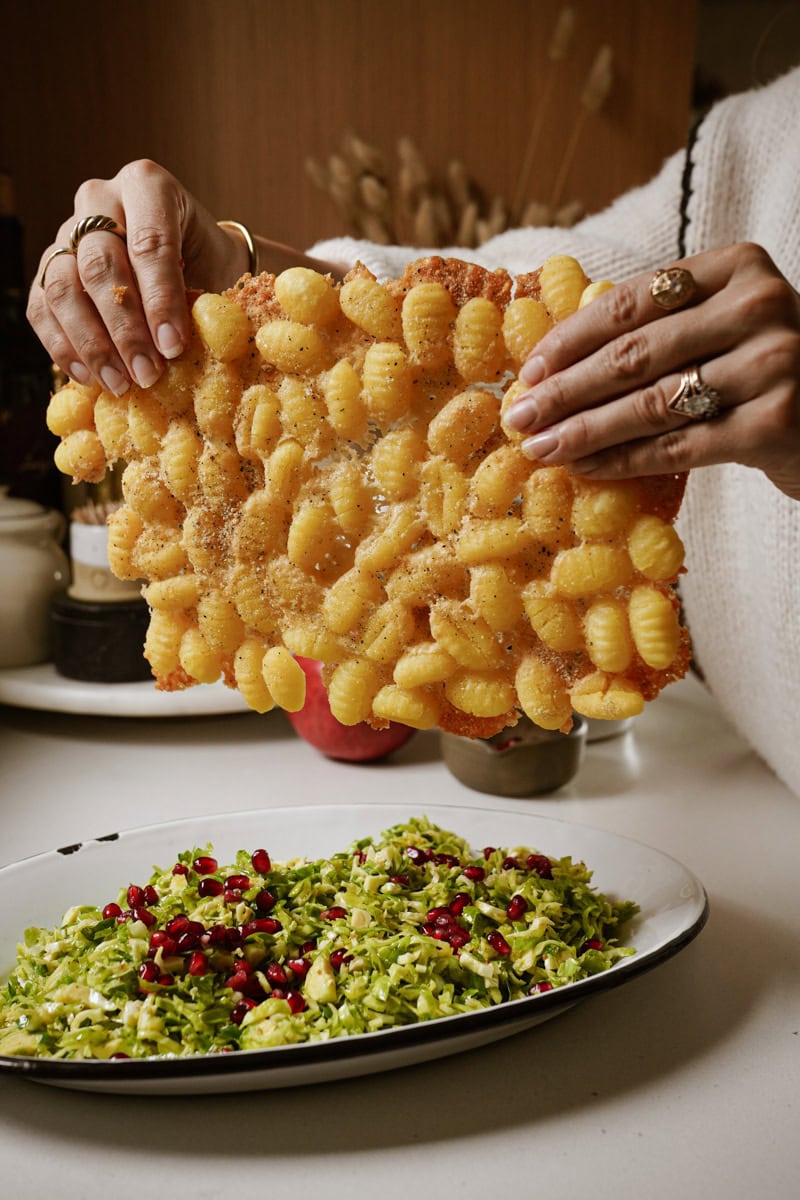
742, 590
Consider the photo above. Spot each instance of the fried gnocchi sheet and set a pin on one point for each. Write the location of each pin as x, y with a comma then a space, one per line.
325, 473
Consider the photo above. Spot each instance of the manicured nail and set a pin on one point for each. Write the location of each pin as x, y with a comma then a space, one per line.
79, 373
521, 414
114, 381
169, 340
532, 370
541, 445
145, 372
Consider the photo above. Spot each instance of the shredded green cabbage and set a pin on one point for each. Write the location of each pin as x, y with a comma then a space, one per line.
406, 927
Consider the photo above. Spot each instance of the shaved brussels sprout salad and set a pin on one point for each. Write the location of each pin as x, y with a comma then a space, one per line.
202, 958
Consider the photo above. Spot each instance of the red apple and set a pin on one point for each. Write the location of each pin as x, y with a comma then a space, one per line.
356, 743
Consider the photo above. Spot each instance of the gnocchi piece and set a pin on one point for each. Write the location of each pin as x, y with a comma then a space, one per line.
562, 283
222, 325
352, 689
654, 625
655, 548
291, 346
428, 316
525, 323
70, 409
306, 296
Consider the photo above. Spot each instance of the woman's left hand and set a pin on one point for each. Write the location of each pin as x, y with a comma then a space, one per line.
601, 381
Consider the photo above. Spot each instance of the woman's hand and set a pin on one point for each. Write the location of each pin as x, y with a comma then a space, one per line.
117, 309
601, 381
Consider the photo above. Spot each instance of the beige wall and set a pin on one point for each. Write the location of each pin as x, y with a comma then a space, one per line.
232, 95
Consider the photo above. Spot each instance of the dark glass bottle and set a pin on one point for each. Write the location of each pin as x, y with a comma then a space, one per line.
26, 445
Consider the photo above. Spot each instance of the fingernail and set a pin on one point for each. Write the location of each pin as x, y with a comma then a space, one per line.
169, 340
79, 373
532, 370
521, 414
541, 445
114, 381
145, 372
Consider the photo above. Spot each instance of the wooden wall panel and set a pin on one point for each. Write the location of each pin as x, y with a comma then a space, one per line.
232, 95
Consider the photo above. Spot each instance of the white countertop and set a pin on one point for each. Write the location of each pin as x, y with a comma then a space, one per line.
686, 1082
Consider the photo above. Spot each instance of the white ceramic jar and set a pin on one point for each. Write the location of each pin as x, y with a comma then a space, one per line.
33, 568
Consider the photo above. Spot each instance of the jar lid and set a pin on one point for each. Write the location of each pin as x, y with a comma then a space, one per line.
12, 508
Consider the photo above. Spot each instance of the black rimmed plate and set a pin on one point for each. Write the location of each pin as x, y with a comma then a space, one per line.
37, 891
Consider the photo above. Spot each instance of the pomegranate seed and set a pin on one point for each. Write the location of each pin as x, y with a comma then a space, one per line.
440, 911
458, 938
261, 925
448, 860
124, 916
591, 944
149, 972
333, 914
135, 896
517, 907
240, 882
190, 938
307, 947
403, 880
166, 980
511, 863
459, 903
338, 957
233, 937
241, 1009
216, 936
198, 963
177, 925
488, 851
278, 993
476, 873
540, 864
276, 974
145, 916
231, 895
265, 900
428, 928
360, 856
237, 981
298, 966
295, 1001
261, 861
498, 943
120, 1055
447, 921
417, 855
111, 910
243, 967
205, 865
180, 869
210, 887
544, 986
162, 941
150, 895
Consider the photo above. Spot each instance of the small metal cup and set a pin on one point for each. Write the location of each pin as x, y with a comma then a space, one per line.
521, 761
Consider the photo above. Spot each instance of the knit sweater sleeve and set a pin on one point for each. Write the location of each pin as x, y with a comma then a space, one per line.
637, 232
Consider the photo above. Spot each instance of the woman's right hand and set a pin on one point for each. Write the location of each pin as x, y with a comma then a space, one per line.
117, 309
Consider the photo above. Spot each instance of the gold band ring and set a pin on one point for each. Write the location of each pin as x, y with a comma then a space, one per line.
695, 399
672, 287
96, 224
249, 241
54, 254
